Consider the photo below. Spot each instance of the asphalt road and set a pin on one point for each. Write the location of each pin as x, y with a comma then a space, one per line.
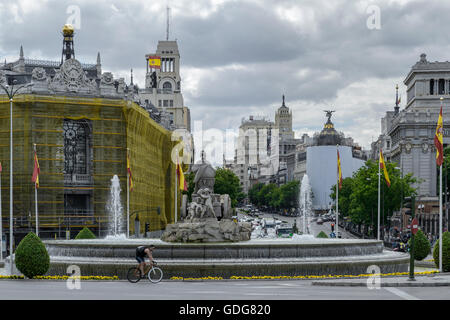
207, 290
315, 228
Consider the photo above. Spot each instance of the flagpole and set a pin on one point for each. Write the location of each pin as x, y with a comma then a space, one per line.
337, 198
176, 191
440, 202
35, 200
379, 176
440, 219
1, 217
128, 195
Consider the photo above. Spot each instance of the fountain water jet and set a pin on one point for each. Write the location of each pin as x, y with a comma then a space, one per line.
305, 203
115, 210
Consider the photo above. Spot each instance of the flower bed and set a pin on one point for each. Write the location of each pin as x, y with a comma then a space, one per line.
63, 277
306, 277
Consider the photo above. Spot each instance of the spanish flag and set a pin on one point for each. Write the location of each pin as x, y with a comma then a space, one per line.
339, 170
383, 166
182, 181
439, 140
36, 171
154, 62
130, 176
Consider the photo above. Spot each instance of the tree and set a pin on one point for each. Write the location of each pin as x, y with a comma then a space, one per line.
265, 194
253, 193
32, 258
289, 195
445, 252
228, 183
358, 197
275, 198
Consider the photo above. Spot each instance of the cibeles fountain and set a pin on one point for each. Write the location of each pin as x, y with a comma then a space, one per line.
207, 241
208, 217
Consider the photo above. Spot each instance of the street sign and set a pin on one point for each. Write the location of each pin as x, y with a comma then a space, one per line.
415, 226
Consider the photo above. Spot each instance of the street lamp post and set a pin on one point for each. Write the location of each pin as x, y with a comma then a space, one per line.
401, 181
11, 93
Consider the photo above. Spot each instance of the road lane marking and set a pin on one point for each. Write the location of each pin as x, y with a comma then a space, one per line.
401, 293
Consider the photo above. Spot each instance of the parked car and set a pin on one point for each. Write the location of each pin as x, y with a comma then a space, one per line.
319, 221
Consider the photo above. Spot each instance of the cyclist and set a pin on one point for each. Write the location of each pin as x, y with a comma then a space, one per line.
141, 253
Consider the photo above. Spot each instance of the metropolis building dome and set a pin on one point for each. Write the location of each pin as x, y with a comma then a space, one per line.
329, 136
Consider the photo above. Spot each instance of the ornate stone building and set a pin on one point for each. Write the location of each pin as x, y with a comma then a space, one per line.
82, 121
408, 135
163, 86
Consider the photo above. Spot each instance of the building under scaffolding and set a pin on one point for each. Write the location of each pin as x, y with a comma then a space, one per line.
82, 124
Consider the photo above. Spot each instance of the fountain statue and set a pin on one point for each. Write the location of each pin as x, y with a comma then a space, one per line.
208, 217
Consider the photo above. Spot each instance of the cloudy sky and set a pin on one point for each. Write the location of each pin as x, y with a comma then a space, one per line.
239, 57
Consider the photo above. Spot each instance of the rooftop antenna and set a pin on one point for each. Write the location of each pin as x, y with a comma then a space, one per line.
168, 23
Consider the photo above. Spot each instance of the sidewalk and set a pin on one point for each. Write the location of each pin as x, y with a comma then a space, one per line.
434, 280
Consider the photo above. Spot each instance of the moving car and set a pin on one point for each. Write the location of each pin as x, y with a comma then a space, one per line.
284, 232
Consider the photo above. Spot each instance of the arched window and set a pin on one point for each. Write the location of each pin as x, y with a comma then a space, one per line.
76, 146
167, 87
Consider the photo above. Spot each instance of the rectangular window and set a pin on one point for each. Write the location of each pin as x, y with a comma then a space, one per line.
159, 103
441, 86
171, 103
166, 103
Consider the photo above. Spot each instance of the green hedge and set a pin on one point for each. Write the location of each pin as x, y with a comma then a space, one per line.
445, 252
322, 235
422, 246
32, 258
85, 233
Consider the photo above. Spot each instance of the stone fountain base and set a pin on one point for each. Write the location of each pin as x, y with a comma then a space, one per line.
277, 257
207, 230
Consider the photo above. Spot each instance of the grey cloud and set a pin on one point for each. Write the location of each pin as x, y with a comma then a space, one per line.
272, 49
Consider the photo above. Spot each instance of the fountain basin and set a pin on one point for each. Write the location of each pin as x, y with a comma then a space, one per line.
275, 257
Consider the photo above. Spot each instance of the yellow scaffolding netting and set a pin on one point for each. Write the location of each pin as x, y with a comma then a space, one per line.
116, 125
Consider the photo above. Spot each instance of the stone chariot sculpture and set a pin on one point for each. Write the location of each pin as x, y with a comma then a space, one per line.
208, 217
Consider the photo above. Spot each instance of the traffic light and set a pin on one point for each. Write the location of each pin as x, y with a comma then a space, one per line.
147, 227
409, 203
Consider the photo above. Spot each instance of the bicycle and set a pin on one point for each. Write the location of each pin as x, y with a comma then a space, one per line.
153, 273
